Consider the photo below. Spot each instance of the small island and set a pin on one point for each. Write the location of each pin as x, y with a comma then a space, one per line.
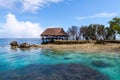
58, 39
91, 38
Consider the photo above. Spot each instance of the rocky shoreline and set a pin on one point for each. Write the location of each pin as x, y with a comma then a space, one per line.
86, 47
15, 44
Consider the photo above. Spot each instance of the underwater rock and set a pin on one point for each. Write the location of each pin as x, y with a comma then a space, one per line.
54, 72
101, 64
67, 58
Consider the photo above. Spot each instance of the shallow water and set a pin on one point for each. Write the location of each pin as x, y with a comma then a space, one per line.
107, 64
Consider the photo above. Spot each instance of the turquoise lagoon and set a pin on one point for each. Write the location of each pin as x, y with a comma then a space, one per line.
12, 60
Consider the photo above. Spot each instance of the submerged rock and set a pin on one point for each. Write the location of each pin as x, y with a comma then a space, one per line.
54, 72
67, 58
101, 64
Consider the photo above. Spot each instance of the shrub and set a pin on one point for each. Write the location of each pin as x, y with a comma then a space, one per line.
70, 42
100, 42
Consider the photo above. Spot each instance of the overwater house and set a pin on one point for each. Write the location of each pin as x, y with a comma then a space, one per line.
52, 34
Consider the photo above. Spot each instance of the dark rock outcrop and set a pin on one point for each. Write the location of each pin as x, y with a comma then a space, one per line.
24, 45
14, 44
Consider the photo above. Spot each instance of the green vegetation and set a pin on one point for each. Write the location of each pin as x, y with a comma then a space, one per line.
115, 24
95, 31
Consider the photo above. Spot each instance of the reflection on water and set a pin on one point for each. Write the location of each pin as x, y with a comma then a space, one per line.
15, 60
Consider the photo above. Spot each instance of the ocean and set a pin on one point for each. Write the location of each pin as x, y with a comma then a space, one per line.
47, 64
6, 41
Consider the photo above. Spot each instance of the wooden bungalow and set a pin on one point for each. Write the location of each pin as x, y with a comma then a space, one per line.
52, 34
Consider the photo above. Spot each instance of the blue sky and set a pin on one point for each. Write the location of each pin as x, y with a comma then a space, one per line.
28, 18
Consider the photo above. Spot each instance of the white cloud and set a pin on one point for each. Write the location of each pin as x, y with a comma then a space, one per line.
26, 5
99, 15
19, 29
104, 15
33, 5
7, 3
80, 18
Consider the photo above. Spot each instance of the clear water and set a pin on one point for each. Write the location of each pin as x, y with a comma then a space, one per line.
15, 59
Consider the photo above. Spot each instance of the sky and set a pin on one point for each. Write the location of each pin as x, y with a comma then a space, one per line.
29, 18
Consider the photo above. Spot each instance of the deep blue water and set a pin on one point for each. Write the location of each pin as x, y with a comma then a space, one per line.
16, 62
